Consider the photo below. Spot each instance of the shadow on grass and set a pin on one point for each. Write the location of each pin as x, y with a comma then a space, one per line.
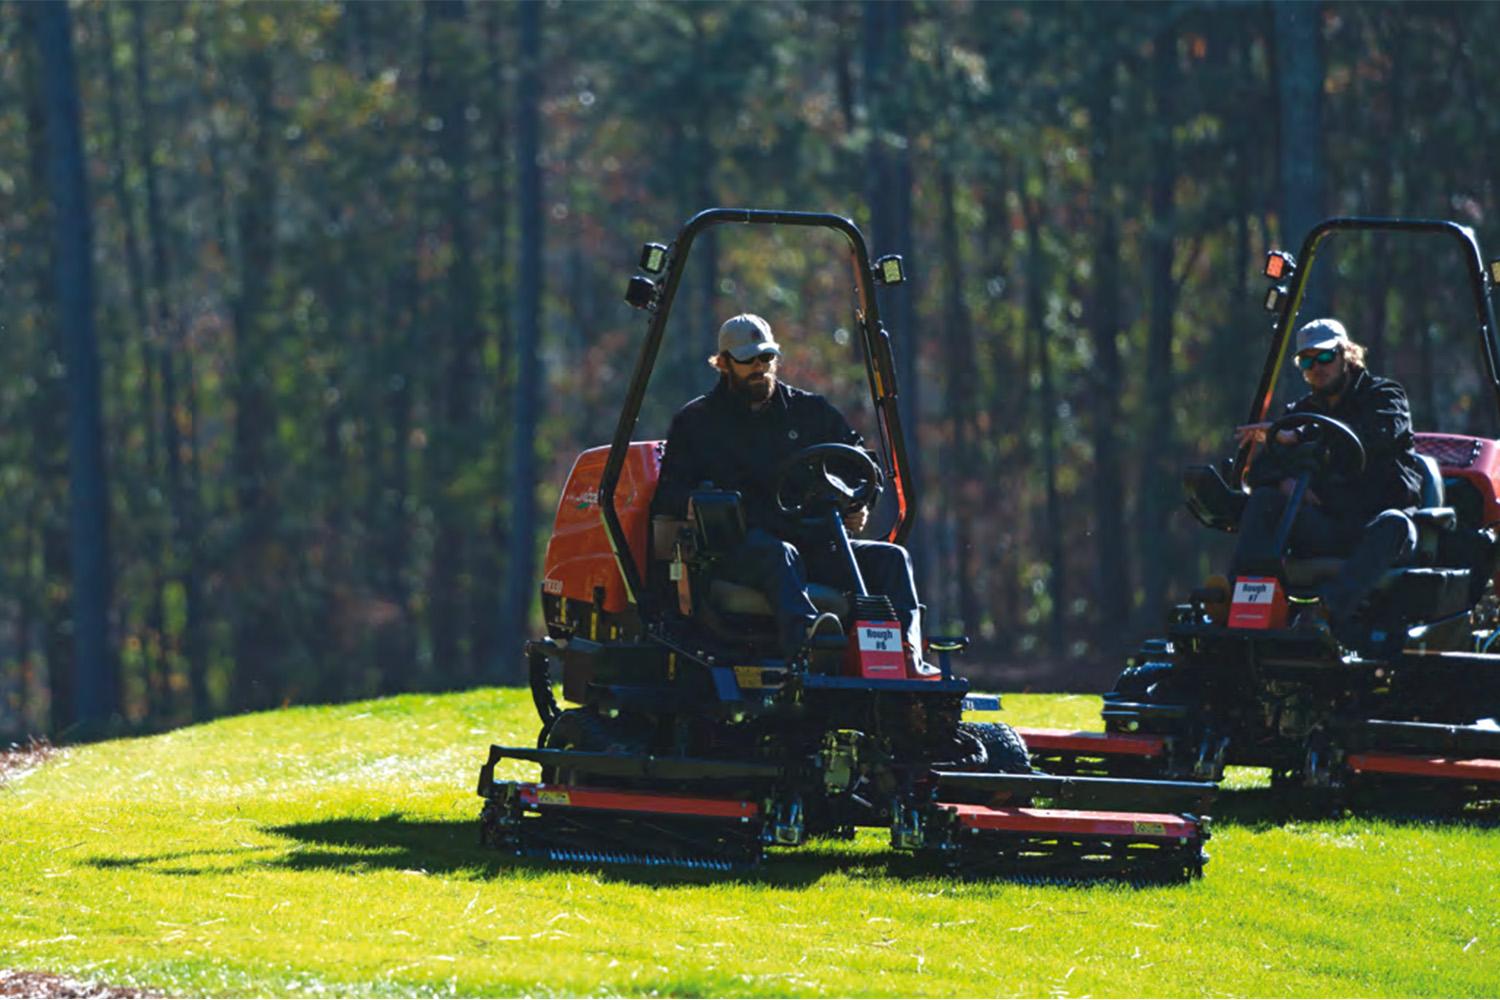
1261, 809
394, 842
451, 847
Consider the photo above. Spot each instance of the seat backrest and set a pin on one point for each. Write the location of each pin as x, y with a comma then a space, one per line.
1432, 481
665, 530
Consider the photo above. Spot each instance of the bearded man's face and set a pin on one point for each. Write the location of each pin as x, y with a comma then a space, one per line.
752, 380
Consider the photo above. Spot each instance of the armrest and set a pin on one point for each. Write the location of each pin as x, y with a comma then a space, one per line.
1441, 518
1210, 498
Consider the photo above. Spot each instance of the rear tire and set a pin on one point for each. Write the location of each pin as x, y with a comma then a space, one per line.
584, 730
1004, 750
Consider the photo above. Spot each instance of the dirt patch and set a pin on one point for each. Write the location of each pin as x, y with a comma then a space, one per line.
19, 758
16, 983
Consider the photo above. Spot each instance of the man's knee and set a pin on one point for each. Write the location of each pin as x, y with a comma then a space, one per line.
890, 564
762, 555
1396, 532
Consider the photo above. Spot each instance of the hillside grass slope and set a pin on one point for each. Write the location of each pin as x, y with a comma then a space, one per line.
333, 850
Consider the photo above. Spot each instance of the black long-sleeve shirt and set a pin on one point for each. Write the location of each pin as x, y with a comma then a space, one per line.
718, 438
1376, 409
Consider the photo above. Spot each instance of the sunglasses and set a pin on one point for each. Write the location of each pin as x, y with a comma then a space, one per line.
765, 358
1323, 357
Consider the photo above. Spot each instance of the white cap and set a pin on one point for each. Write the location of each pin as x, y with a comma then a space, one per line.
746, 335
1320, 334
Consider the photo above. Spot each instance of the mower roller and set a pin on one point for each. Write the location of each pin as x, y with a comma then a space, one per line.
690, 740
1402, 706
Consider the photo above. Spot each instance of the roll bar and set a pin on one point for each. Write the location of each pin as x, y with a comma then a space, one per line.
879, 365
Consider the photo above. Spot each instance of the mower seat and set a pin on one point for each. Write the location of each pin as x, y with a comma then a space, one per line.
737, 599
733, 598
1431, 518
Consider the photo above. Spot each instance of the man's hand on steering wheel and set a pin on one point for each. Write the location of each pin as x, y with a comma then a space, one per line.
856, 520
1302, 443
828, 476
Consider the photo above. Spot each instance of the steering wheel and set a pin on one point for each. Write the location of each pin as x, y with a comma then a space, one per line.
1338, 450
839, 476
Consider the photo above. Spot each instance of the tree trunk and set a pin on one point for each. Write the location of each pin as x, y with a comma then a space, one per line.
888, 193
960, 405
453, 450
144, 507
520, 584
167, 343
1111, 582
489, 580
97, 681
256, 682
47, 415
1036, 325
1158, 482
1299, 81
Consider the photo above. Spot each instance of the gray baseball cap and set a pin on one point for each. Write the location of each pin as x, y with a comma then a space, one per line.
746, 335
1320, 334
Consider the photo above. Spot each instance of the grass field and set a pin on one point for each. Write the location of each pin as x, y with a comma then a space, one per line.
320, 851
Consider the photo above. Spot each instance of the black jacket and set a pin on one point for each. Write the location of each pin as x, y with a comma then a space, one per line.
1376, 409
718, 438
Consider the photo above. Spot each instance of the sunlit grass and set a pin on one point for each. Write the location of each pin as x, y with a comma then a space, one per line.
333, 851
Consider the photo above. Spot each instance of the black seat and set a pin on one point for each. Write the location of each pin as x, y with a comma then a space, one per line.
737, 599
1424, 591
718, 524
1431, 518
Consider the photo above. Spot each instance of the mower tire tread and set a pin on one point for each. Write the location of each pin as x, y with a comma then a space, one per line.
1005, 751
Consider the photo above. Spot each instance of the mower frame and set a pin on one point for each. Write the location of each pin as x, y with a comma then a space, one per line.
699, 748
1380, 716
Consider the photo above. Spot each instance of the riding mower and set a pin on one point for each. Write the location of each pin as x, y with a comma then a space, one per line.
1398, 706
691, 740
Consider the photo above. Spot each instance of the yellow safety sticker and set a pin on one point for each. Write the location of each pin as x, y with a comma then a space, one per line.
1148, 829
750, 677
552, 798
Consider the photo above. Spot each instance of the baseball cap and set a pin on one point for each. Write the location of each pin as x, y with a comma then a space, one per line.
1320, 334
746, 335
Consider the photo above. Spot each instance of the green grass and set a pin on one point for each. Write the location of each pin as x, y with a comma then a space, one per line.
332, 851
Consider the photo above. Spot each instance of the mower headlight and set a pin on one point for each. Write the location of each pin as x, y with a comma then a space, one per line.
1280, 265
653, 258
641, 292
890, 270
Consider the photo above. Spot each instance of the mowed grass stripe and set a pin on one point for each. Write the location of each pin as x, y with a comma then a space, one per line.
332, 850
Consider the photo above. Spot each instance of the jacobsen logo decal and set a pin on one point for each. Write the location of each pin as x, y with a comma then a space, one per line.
551, 586
552, 798
1147, 829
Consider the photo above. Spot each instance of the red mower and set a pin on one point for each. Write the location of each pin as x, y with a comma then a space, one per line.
689, 738
1404, 703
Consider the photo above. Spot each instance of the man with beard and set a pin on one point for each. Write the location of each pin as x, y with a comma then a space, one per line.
735, 438
1362, 517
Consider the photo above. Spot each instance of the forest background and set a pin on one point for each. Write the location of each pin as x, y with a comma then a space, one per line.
306, 309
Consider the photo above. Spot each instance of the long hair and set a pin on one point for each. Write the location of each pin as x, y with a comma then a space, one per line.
1354, 353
